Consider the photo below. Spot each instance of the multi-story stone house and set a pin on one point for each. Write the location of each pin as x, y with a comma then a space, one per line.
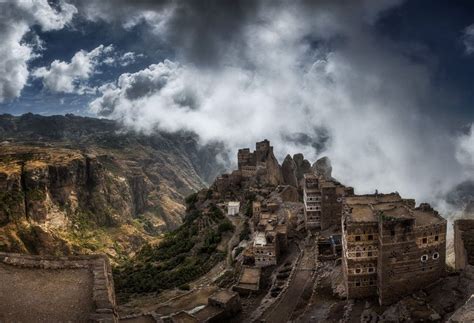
323, 202
390, 248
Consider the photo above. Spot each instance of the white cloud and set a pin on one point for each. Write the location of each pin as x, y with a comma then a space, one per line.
72, 77
468, 39
129, 58
16, 19
123, 60
465, 149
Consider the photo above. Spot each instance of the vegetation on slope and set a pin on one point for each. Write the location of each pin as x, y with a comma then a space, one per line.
182, 256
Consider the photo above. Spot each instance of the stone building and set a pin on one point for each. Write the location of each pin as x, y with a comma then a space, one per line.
390, 248
256, 209
266, 249
464, 243
259, 165
323, 201
312, 201
249, 281
269, 241
233, 207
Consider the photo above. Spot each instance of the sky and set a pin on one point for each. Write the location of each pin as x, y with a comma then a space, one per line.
382, 87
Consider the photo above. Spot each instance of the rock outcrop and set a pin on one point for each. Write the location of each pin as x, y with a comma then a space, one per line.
288, 169
303, 166
322, 167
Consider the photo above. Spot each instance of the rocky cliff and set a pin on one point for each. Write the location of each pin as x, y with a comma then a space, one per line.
70, 184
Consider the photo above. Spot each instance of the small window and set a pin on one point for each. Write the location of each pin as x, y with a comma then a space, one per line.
357, 254
370, 237
435, 255
425, 240
436, 238
392, 232
371, 283
371, 269
358, 283
424, 258
369, 254
357, 238
358, 270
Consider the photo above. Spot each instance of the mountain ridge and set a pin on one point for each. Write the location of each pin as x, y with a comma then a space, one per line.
70, 180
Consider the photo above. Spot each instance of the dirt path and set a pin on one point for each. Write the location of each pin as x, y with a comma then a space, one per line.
237, 221
282, 310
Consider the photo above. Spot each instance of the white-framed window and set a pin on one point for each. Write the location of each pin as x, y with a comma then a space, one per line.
424, 258
435, 255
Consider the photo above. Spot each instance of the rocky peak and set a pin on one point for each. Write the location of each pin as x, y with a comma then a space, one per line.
289, 170
322, 167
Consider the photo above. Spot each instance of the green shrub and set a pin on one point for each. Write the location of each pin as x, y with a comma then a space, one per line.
245, 233
225, 226
185, 287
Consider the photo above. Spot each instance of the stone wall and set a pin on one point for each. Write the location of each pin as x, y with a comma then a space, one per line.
464, 243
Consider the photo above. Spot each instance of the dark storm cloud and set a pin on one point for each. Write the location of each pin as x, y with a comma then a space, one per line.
200, 31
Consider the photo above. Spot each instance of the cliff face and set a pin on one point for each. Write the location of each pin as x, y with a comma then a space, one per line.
76, 185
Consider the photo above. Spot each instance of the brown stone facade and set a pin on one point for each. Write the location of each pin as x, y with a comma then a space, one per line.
464, 243
391, 248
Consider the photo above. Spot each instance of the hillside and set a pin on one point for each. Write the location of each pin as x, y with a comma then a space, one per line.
77, 185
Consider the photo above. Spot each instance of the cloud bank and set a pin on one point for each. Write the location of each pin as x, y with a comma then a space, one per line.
16, 20
303, 75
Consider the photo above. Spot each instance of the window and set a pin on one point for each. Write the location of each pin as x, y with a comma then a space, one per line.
424, 258
370, 237
357, 283
392, 232
436, 238
358, 270
435, 255
357, 238
425, 240
369, 254
371, 269
357, 254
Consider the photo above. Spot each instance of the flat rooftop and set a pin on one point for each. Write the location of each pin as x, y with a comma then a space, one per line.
391, 205
54, 289
362, 213
250, 275
223, 295
373, 198
423, 218
29, 294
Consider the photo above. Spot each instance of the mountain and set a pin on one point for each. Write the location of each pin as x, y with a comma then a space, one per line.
72, 184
